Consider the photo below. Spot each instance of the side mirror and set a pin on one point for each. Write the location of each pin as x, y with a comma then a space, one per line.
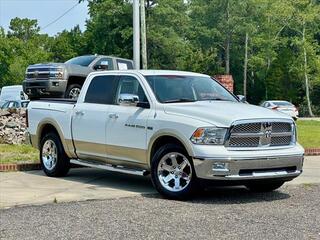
242, 98
128, 99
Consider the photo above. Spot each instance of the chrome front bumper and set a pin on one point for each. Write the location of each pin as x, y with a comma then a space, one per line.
247, 168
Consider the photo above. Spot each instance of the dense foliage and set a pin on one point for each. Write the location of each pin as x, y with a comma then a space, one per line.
273, 46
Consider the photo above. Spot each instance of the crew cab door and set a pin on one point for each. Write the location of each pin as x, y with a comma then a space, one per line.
127, 124
90, 117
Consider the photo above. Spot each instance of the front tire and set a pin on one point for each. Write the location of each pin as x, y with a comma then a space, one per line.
172, 172
264, 186
73, 91
54, 161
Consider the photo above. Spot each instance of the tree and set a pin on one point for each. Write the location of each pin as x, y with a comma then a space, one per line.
306, 19
68, 44
109, 29
23, 29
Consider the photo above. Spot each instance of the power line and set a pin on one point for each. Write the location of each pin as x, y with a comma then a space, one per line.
62, 15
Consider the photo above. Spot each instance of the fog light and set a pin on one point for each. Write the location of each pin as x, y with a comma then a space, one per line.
55, 84
220, 168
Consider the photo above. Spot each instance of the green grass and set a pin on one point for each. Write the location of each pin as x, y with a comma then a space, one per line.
309, 133
18, 153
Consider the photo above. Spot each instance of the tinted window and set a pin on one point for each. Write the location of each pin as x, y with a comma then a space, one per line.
12, 105
24, 104
5, 105
124, 65
82, 61
97, 66
102, 90
131, 85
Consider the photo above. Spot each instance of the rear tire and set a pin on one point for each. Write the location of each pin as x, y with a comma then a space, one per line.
73, 91
54, 161
172, 172
264, 186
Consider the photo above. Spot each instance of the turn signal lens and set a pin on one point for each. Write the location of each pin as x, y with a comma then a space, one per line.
198, 133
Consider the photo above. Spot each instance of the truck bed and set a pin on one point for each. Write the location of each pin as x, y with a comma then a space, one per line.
56, 112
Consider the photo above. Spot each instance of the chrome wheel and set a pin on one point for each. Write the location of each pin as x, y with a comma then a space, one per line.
49, 154
174, 171
74, 93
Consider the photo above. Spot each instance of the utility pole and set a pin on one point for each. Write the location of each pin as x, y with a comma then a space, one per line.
245, 67
136, 34
143, 35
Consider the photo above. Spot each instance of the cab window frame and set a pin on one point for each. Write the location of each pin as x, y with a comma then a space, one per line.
113, 90
140, 85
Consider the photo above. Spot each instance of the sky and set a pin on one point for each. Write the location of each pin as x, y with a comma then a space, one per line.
45, 11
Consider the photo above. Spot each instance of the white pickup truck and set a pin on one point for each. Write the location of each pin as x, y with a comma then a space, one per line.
180, 127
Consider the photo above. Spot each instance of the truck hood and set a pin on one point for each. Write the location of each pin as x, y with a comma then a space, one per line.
222, 113
72, 69
46, 65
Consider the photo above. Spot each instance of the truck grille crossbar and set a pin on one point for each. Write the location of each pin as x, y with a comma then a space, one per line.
38, 73
260, 134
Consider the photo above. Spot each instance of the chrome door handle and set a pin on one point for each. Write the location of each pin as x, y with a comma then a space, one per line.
79, 113
113, 115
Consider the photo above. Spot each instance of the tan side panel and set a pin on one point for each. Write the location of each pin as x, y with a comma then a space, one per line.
69, 144
92, 150
119, 154
129, 154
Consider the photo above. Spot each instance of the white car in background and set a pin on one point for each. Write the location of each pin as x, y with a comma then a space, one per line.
282, 106
12, 93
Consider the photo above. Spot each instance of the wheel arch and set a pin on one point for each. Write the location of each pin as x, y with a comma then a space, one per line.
47, 126
76, 80
163, 138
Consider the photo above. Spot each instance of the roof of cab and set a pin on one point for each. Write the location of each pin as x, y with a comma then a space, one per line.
152, 72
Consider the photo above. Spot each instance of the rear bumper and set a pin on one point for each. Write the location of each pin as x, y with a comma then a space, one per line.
35, 88
251, 165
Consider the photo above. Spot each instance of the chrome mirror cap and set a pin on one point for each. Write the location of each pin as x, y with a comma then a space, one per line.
128, 99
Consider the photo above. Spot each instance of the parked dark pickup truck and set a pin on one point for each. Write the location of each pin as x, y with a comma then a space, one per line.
66, 79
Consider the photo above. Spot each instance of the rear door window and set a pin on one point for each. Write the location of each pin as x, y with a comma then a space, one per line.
102, 90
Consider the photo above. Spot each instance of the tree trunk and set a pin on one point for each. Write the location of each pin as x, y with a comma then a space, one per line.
143, 35
266, 75
306, 70
245, 67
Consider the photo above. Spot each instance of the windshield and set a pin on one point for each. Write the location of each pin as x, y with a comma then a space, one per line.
175, 88
278, 103
82, 61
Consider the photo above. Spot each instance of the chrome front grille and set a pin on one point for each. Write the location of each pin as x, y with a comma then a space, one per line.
38, 73
260, 134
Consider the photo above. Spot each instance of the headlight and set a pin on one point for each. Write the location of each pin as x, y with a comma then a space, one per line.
210, 135
57, 73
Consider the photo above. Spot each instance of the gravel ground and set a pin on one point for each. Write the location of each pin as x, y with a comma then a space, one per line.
293, 212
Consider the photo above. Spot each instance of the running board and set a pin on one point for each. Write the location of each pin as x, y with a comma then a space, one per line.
110, 167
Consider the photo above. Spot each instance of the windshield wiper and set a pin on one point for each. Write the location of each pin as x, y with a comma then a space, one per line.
180, 100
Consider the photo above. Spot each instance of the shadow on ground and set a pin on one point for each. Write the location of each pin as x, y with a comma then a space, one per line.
97, 179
